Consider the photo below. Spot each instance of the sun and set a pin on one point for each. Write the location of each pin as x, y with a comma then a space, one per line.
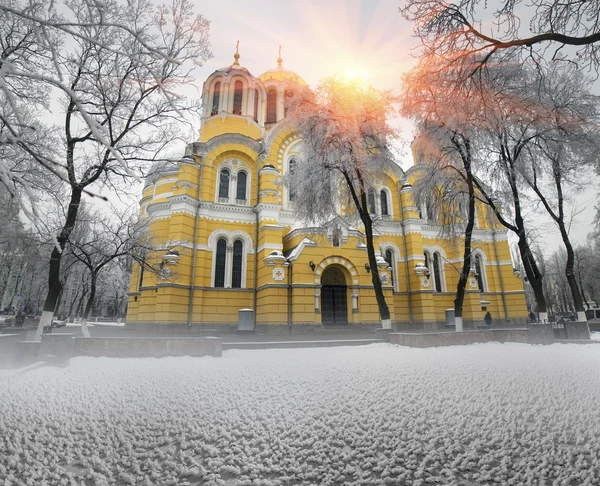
353, 73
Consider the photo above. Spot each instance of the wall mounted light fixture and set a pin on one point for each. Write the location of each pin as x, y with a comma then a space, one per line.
367, 268
312, 266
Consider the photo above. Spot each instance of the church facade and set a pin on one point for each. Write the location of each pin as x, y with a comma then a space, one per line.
229, 239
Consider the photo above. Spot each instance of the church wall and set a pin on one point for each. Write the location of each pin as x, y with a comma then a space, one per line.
170, 197
221, 124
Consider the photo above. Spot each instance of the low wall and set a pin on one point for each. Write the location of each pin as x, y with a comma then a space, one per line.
577, 330
147, 347
452, 338
9, 350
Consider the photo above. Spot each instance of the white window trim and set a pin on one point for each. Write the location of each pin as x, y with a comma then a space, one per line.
377, 190
431, 250
233, 173
211, 96
396, 259
481, 254
291, 152
230, 237
231, 96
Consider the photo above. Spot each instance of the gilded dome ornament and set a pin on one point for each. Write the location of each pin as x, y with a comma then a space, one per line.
236, 56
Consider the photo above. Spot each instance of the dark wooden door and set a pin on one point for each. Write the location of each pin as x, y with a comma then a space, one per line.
334, 305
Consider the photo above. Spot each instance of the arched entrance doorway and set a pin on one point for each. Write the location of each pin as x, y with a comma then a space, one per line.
334, 301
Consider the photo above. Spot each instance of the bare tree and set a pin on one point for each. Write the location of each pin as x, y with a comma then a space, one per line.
100, 240
118, 78
346, 145
568, 144
447, 181
454, 31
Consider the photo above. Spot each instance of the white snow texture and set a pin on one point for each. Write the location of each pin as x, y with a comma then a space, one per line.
380, 414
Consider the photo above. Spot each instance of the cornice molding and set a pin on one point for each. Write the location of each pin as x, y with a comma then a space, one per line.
203, 149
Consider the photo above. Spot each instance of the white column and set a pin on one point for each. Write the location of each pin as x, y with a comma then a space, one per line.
317, 296
228, 266
232, 188
250, 103
224, 101
354, 302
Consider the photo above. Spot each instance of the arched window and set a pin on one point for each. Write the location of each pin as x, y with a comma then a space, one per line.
291, 188
241, 186
479, 272
371, 201
236, 271
224, 183
272, 106
427, 261
384, 203
437, 272
237, 98
216, 98
389, 258
256, 105
220, 263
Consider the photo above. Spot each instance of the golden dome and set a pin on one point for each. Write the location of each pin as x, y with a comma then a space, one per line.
281, 74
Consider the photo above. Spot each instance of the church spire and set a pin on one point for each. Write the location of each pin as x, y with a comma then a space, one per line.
279, 60
236, 56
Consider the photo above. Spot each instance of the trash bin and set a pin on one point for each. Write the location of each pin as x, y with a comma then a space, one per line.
246, 320
450, 318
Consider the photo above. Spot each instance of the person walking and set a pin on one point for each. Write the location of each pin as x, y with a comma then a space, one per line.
488, 319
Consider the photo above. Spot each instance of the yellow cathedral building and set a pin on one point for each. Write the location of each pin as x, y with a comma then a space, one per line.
229, 238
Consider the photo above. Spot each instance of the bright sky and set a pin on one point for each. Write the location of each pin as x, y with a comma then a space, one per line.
368, 38
319, 38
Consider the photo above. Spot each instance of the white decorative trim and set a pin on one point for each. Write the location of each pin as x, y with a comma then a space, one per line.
296, 252
270, 246
230, 237
384, 246
479, 252
432, 250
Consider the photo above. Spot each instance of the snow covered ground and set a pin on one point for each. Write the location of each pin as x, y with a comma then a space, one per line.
379, 414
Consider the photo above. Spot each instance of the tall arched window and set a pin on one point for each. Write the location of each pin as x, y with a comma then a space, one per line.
256, 105
237, 98
371, 201
389, 258
224, 183
427, 261
216, 97
478, 272
220, 263
236, 271
437, 272
291, 190
241, 185
272, 106
384, 203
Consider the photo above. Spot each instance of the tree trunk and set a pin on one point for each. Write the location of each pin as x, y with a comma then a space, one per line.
570, 274
54, 283
88, 306
587, 304
384, 312
464, 274
534, 276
